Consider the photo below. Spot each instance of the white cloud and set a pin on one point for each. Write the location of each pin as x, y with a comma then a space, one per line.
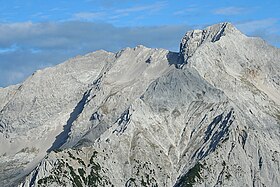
152, 7
228, 11
254, 25
184, 11
88, 16
113, 14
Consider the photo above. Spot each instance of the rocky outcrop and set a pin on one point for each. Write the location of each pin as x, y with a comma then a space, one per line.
195, 38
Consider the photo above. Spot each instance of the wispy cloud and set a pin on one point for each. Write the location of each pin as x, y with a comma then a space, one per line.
40, 15
57, 9
228, 11
114, 14
112, 3
10, 49
88, 16
152, 8
254, 25
184, 11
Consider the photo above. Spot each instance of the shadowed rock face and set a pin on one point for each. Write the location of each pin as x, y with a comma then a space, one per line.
206, 116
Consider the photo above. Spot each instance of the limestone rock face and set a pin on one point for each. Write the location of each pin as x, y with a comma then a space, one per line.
194, 39
206, 116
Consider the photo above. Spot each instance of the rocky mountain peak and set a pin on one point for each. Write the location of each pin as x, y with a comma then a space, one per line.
195, 38
132, 119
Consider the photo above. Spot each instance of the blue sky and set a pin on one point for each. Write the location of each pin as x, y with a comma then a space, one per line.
35, 34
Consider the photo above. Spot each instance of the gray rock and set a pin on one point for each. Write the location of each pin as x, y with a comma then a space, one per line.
206, 116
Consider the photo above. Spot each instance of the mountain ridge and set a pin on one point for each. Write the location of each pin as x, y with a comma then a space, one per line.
208, 115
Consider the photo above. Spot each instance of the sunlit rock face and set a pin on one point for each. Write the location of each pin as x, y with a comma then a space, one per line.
206, 116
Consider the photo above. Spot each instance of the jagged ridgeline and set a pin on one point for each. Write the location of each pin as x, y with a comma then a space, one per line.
206, 116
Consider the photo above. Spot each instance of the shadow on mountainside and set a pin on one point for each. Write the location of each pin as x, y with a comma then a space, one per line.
173, 58
62, 137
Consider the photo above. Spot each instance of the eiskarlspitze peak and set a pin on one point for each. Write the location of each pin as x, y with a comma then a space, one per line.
193, 39
208, 115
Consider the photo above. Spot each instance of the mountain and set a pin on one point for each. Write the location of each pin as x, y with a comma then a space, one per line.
208, 115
